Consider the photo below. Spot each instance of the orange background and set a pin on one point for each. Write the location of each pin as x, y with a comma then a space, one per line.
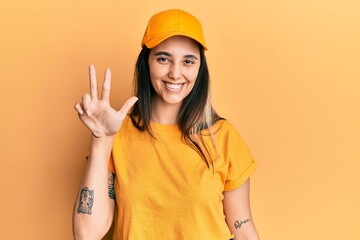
286, 73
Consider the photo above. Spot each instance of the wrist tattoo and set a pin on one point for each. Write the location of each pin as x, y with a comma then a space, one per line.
86, 201
111, 186
238, 224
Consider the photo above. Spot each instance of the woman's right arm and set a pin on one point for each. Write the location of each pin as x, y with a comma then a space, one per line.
95, 202
94, 206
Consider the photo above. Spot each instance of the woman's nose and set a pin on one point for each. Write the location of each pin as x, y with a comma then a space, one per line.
175, 71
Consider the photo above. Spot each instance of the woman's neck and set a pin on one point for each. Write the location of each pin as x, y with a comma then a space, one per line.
164, 113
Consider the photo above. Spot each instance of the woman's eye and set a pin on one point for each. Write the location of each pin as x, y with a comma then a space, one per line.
187, 61
163, 59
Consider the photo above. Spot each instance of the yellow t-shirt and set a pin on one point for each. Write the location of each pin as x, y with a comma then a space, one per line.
165, 190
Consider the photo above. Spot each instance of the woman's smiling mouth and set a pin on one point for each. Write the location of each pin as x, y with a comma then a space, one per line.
174, 87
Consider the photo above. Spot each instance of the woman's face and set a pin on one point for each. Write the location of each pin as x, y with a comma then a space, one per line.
174, 65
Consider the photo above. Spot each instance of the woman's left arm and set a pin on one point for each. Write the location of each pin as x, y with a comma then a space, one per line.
238, 214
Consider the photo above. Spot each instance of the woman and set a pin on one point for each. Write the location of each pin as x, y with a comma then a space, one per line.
177, 170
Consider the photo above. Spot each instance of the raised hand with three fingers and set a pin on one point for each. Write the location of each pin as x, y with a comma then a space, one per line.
96, 113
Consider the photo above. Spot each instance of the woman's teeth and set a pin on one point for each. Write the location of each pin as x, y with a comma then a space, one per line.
173, 86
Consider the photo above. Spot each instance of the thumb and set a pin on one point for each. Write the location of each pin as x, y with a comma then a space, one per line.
127, 105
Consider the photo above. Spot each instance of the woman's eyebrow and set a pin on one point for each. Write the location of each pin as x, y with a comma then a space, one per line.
161, 53
191, 56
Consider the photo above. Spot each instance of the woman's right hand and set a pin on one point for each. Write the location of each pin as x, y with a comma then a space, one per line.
96, 113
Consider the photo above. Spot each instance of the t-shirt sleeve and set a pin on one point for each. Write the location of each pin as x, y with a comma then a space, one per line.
241, 163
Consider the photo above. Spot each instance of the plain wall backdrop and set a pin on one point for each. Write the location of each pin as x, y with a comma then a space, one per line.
286, 73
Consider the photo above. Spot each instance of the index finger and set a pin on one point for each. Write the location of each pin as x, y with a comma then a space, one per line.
93, 82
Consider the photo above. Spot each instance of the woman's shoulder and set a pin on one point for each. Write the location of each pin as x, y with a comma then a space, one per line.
223, 125
226, 132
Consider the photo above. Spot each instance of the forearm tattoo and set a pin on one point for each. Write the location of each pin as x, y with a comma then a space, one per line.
238, 223
86, 201
111, 186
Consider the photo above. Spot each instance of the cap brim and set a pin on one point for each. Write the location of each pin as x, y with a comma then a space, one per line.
153, 42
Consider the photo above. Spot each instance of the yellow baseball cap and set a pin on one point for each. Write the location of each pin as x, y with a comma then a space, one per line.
172, 22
